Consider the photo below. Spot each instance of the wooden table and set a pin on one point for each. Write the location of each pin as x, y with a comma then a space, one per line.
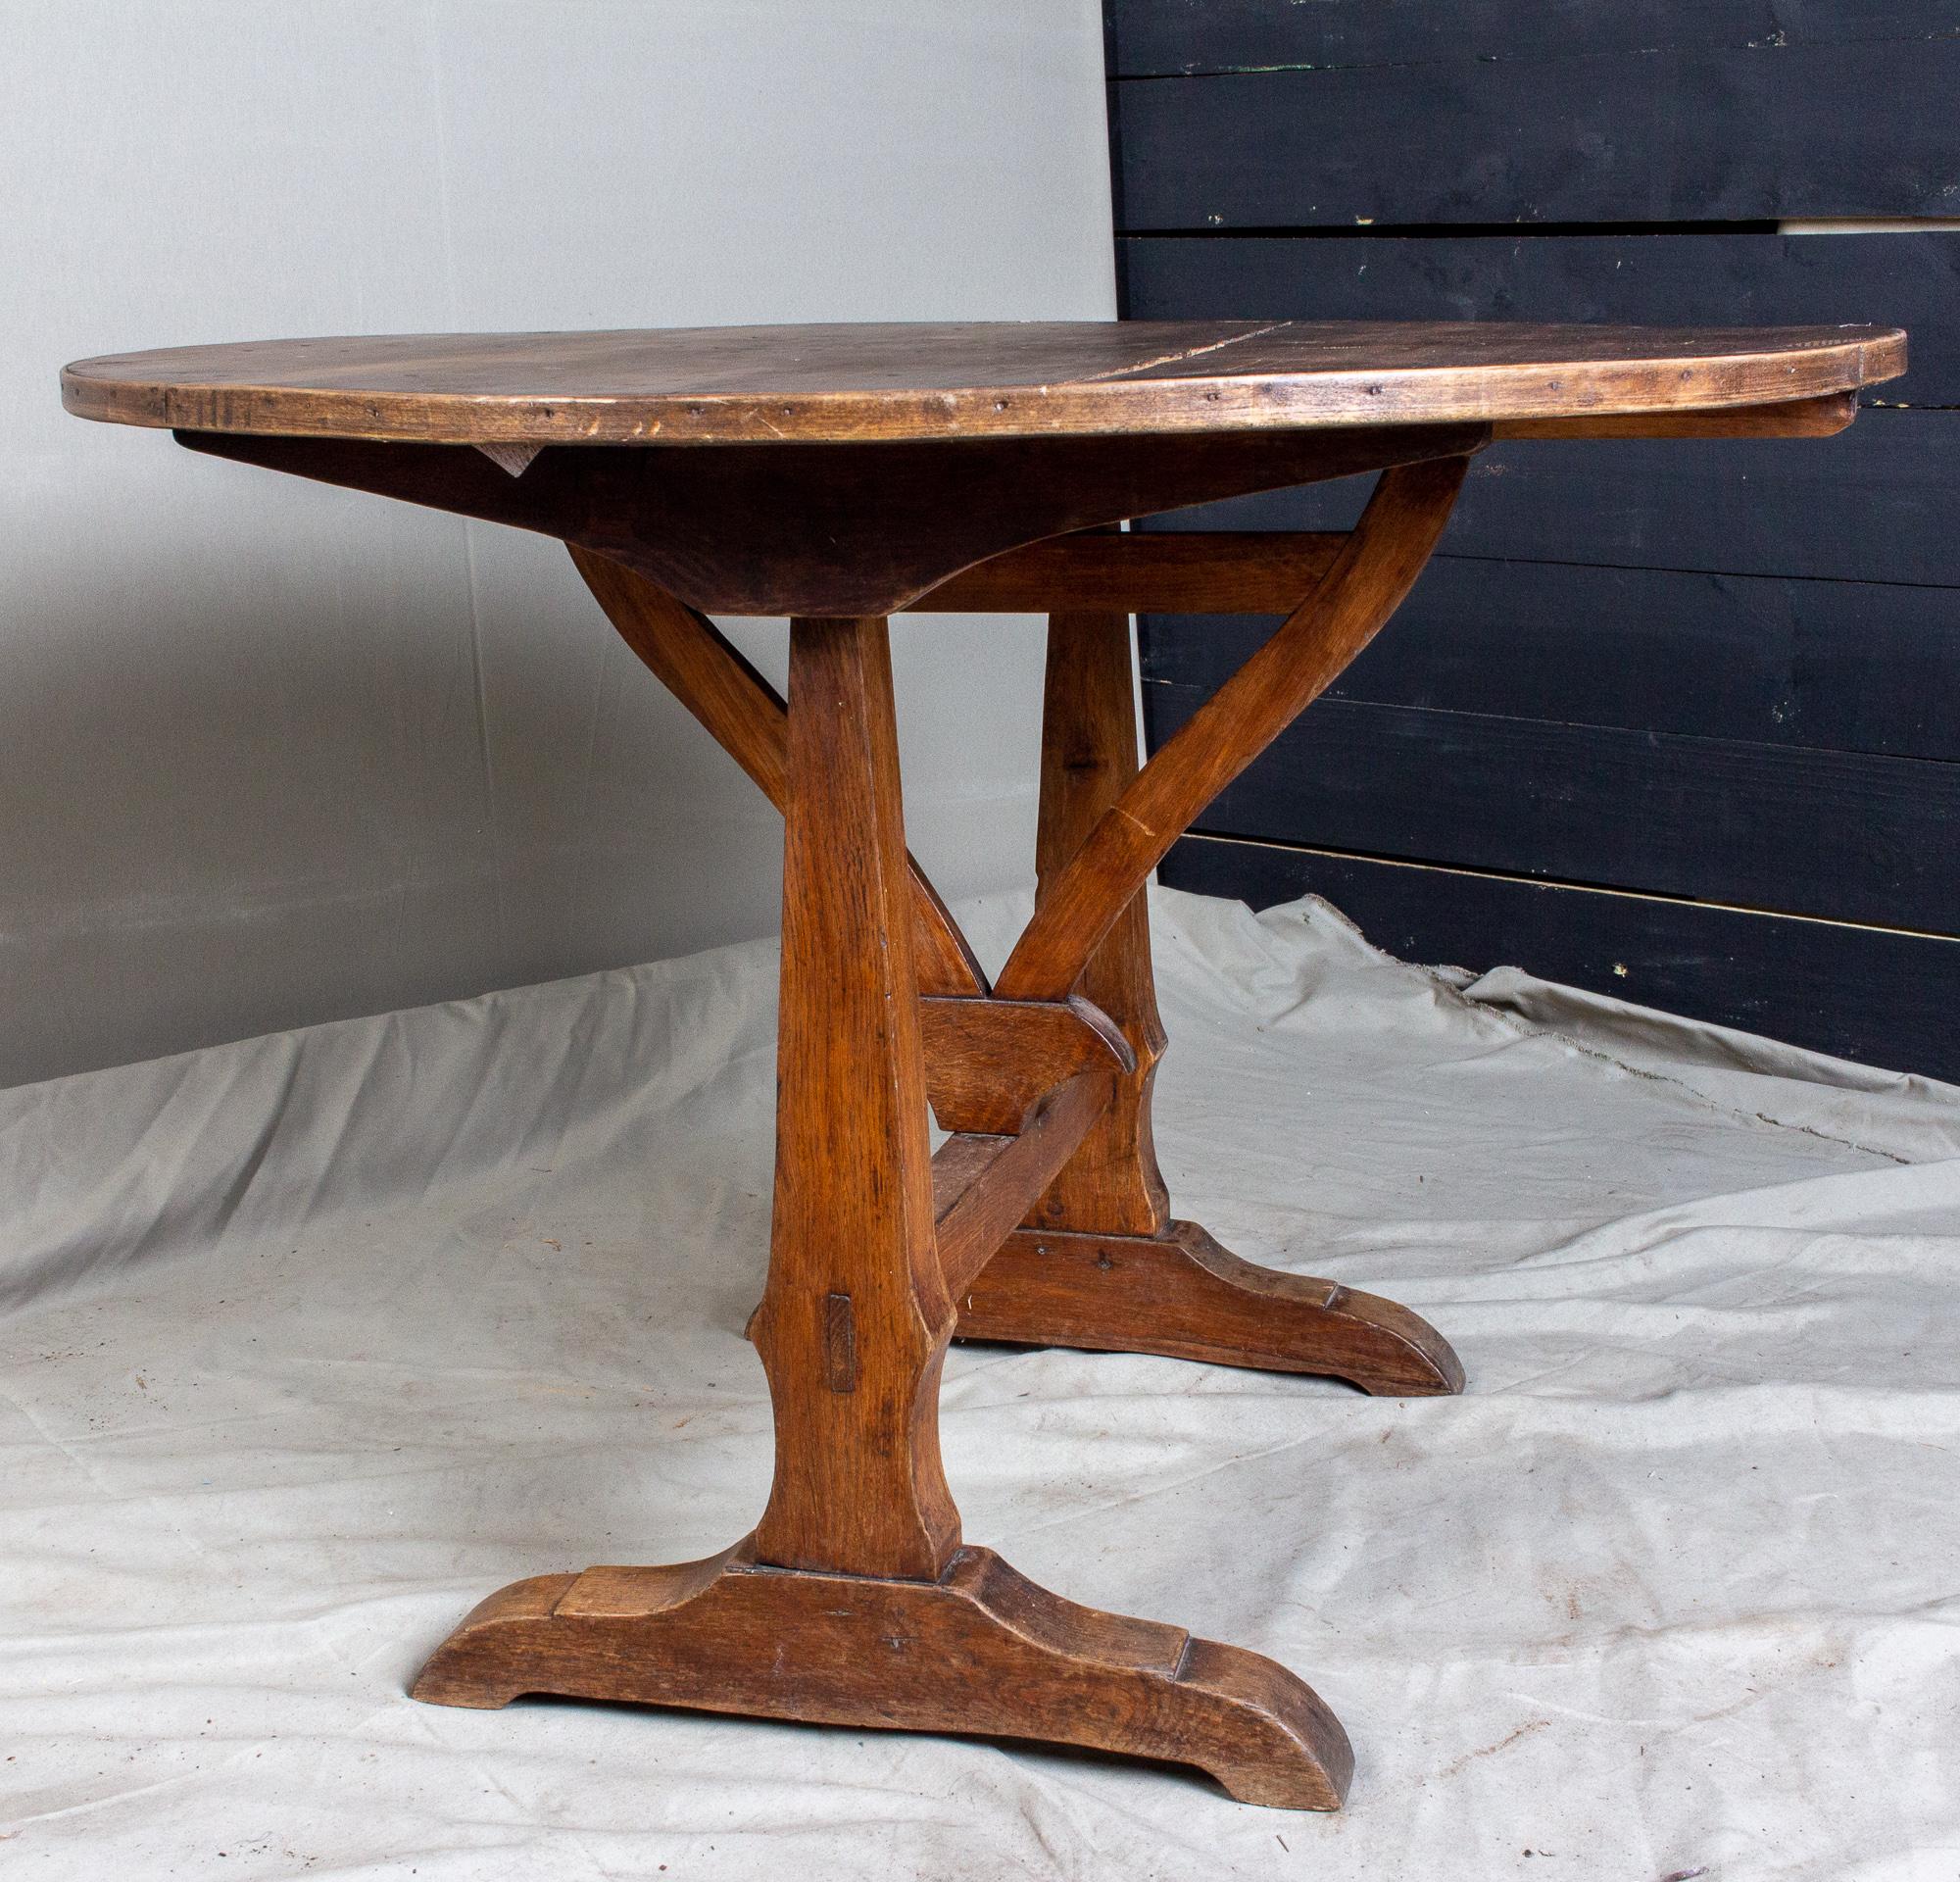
838, 475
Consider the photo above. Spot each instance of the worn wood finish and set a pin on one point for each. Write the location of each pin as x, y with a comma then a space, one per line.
1109, 1268
1821, 418
746, 717
835, 529
834, 474
979, 1649
1089, 760
855, 1298
1233, 573
988, 1062
1180, 1294
957, 1165
776, 386
1375, 569
987, 1201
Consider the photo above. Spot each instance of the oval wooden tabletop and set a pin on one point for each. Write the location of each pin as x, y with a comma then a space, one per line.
730, 385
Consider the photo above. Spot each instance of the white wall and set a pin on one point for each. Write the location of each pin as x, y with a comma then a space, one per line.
272, 752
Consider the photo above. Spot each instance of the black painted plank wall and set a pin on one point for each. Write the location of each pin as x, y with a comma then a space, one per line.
1853, 118
1152, 39
1855, 992
1876, 504
1676, 721
1745, 276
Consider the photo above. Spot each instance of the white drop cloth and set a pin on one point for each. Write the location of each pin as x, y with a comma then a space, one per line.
315, 1339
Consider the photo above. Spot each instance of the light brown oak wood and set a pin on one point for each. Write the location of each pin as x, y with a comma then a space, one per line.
1180, 1294
990, 1199
977, 1650
1089, 759
836, 475
988, 1062
746, 717
856, 1298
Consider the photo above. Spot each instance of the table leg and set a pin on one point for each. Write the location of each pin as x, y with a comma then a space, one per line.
1100, 1263
854, 1601
1089, 754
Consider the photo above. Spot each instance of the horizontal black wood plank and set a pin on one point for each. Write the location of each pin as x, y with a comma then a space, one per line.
1860, 993
1864, 128
1887, 279
1842, 835
1153, 36
1876, 503
1847, 667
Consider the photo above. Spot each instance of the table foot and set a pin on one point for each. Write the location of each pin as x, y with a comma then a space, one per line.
982, 1649
1180, 1294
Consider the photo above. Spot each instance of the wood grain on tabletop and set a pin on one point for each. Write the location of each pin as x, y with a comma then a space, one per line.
868, 382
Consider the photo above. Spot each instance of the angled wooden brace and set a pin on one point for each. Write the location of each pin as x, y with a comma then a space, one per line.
1019, 1083
746, 716
1369, 581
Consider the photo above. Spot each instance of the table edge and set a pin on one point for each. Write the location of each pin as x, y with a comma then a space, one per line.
1109, 407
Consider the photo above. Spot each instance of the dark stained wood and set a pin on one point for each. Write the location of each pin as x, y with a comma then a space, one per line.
1241, 572
1873, 994
1367, 582
1180, 1294
980, 1648
1741, 133
984, 1204
1821, 418
859, 1486
746, 717
776, 386
835, 530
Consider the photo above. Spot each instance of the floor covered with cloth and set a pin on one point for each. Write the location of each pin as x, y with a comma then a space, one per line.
311, 1341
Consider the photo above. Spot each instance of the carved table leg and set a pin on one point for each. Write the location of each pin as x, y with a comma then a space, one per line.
853, 1603
1098, 1262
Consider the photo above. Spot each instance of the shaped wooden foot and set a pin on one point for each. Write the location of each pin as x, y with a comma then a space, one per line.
855, 1603
1180, 1294
982, 1649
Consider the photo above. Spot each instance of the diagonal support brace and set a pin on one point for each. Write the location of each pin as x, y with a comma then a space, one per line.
1369, 581
747, 718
